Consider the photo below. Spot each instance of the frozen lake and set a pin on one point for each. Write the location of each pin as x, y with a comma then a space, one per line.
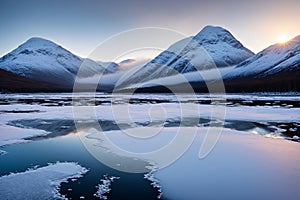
145, 146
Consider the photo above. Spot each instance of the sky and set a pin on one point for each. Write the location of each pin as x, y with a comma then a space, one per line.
80, 26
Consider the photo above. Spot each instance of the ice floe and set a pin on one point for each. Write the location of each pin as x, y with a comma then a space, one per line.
105, 186
241, 166
12, 135
39, 183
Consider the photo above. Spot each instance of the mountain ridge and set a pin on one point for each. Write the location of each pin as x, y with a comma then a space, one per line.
42, 65
211, 47
47, 62
274, 69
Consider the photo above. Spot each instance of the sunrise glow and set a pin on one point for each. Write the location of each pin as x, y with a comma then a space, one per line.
283, 38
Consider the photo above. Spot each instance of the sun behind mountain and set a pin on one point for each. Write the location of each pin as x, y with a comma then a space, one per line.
283, 39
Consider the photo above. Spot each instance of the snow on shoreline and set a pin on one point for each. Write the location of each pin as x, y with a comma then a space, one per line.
104, 187
41, 183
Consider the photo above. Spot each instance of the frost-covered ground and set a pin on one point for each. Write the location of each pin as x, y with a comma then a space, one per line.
39, 183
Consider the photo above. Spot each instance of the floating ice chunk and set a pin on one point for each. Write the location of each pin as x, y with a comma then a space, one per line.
12, 135
104, 186
41, 183
2, 152
44, 122
293, 129
295, 137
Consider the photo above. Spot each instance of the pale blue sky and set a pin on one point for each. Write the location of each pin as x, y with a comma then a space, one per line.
81, 25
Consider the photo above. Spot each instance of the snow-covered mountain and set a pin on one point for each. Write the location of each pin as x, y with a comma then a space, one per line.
274, 59
211, 47
15, 83
41, 65
276, 68
42, 60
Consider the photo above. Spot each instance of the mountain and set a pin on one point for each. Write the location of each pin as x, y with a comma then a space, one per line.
46, 62
110, 67
276, 69
15, 83
276, 58
211, 57
211, 47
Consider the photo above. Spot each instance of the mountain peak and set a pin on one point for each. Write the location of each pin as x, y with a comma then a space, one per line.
215, 34
212, 32
212, 29
38, 42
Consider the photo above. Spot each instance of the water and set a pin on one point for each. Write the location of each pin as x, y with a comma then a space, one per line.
260, 115
69, 148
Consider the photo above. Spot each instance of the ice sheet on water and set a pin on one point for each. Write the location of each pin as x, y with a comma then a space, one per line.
12, 135
41, 183
245, 160
145, 112
241, 166
137, 113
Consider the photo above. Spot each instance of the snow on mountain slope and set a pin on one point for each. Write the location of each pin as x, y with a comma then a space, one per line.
42, 60
274, 59
221, 45
189, 77
115, 72
110, 67
211, 47
277, 68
